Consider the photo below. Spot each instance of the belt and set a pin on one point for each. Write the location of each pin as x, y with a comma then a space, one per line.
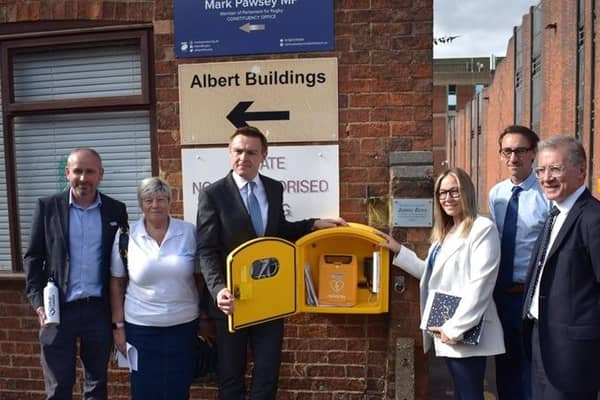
86, 300
516, 288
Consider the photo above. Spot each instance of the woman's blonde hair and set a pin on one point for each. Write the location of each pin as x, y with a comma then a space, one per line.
442, 222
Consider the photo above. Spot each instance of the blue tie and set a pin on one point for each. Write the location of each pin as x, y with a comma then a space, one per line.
254, 210
507, 246
539, 258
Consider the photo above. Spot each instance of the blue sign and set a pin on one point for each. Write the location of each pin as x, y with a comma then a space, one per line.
207, 28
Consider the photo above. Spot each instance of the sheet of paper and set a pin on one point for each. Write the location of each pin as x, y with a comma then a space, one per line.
131, 361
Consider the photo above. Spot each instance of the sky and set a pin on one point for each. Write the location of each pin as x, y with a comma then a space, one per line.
484, 26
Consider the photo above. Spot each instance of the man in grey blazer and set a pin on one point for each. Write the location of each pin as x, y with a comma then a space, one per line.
239, 207
562, 306
71, 240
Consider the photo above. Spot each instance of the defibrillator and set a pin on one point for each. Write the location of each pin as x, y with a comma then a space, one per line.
338, 280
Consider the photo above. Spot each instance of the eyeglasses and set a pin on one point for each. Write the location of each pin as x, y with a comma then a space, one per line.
519, 151
454, 193
553, 170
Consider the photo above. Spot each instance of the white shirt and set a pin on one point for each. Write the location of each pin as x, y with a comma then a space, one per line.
564, 207
162, 289
259, 192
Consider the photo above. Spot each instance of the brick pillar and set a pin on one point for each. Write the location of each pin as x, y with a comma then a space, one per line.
411, 176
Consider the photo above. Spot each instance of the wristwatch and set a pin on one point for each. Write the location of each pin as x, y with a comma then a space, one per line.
118, 325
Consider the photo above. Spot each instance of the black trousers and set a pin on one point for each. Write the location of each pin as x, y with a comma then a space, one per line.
89, 322
542, 388
265, 341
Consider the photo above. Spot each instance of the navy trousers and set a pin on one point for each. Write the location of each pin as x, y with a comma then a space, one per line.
88, 322
166, 360
513, 369
265, 341
467, 374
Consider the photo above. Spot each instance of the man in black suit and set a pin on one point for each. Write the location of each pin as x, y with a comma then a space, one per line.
231, 211
71, 240
562, 307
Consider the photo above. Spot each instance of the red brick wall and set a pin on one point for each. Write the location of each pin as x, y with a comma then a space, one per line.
559, 68
558, 107
385, 104
595, 152
464, 93
593, 149
463, 139
499, 113
439, 143
440, 99
20, 375
526, 49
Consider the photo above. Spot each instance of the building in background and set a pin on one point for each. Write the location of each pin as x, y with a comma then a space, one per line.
547, 81
455, 82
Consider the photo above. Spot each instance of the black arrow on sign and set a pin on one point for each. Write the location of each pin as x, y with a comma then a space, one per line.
238, 116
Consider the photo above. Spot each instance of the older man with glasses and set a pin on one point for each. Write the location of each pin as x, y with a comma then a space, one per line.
518, 207
562, 306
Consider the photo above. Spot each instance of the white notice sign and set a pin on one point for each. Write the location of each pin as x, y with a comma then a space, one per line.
309, 174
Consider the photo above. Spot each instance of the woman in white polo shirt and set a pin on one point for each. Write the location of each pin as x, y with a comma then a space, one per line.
154, 299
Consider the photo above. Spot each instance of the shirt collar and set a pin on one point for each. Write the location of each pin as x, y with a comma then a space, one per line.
139, 229
567, 204
241, 182
96, 202
528, 182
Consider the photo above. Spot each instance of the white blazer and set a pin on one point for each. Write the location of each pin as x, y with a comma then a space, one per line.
466, 267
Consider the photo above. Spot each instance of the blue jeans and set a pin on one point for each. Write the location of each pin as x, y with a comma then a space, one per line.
166, 360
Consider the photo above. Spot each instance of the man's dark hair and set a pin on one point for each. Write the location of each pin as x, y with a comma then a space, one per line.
531, 136
251, 132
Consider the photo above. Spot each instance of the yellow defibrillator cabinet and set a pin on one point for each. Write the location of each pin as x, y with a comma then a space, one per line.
337, 270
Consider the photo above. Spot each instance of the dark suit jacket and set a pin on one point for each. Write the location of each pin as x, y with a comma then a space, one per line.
48, 251
223, 223
569, 313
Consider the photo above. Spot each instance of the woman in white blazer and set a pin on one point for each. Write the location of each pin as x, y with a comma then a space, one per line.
462, 261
